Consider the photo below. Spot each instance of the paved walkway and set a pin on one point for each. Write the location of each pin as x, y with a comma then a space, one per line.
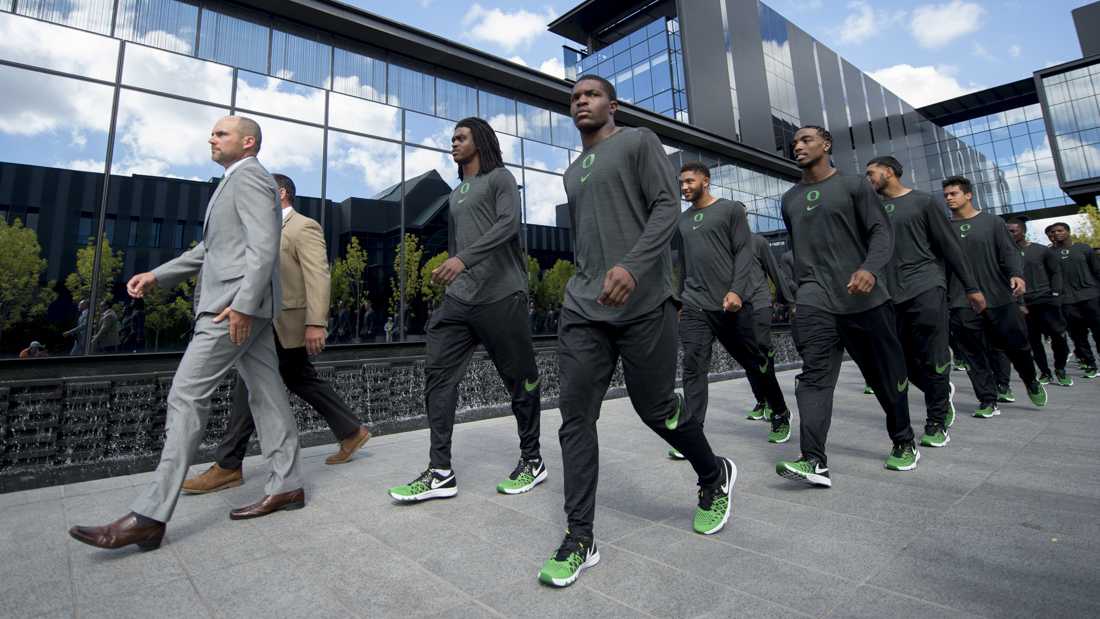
1004, 522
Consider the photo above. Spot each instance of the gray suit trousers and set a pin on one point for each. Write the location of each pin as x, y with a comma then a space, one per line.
209, 356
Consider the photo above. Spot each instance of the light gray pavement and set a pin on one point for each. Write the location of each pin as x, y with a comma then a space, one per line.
1003, 522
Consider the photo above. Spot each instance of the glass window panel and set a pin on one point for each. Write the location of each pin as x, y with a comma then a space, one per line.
177, 74
411, 89
34, 43
510, 148
1000, 133
1086, 112
1015, 115
624, 86
300, 59
428, 131
363, 116
982, 137
564, 132
185, 155
534, 122
167, 24
1022, 147
658, 44
1061, 117
1018, 129
94, 15
272, 95
662, 76
1056, 93
1080, 88
639, 53
545, 157
295, 150
455, 101
655, 27
366, 168
1073, 163
359, 75
643, 86
636, 37
498, 111
622, 62
996, 120
233, 41
662, 102
544, 193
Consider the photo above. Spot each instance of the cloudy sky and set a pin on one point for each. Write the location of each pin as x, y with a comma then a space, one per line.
923, 51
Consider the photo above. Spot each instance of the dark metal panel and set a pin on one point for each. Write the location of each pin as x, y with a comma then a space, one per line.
708, 86
1087, 21
805, 77
748, 69
858, 108
883, 144
834, 98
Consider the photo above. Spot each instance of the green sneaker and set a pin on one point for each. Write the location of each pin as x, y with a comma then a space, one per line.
935, 436
675, 455
1038, 394
430, 485
758, 412
1062, 379
867, 390
949, 419
1045, 379
960, 366
573, 556
716, 501
527, 475
1006, 396
987, 410
781, 429
674, 420
1090, 372
903, 457
805, 469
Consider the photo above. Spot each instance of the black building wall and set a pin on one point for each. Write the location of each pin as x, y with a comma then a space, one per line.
1087, 21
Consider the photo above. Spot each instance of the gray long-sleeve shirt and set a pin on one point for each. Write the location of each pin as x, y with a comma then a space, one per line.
484, 234
837, 227
768, 269
1080, 273
923, 246
992, 257
1042, 274
715, 254
623, 203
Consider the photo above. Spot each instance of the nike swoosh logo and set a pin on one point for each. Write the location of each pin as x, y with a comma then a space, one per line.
810, 208
462, 200
439, 483
941, 368
903, 385
726, 486
674, 420
696, 227
585, 177
771, 354
764, 368
529, 386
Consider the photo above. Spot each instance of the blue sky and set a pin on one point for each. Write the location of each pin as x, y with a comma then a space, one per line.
924, 51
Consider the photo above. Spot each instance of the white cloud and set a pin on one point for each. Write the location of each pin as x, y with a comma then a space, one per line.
936, 25
865, 22
509, 30
1014, 51
981, 52
553, 66
83, 165
922, 85
518, 60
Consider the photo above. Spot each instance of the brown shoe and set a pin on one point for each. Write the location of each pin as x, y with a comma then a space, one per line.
215, 478
295, 499
349, 446
122, 532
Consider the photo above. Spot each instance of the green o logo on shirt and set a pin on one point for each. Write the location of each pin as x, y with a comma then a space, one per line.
588, 161
464, 188
1065, 254
889, 208
963, 230
698, 217
813, 196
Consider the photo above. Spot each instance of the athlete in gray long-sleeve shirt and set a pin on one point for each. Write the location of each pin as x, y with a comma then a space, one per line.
1080, 292
1043, 276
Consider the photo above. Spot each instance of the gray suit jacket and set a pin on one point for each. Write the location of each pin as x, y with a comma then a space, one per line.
238, 258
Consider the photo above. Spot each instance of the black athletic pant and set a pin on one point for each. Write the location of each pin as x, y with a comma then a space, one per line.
587, 352
762, 320
300, 377
871, 339
1084, 317
1002, 370
455, 329
922, 329
1046, 319
980, 337
737, 332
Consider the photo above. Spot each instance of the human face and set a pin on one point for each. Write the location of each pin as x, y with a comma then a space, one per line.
955, 198
1017, 231
590, 106
1059, 234
227, 145
809, 147
879, 176
462, 145
693, 185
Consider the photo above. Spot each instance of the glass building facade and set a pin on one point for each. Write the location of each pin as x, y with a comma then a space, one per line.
109, 106
778, 68
1073, 104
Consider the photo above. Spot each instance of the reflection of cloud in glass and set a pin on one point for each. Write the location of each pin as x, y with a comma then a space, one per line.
544, 193
421, 160
363, 116
275, 96
164, 137
293, 149
361, 167
167, 24
36, 103
177, 74
55, 47
94, 15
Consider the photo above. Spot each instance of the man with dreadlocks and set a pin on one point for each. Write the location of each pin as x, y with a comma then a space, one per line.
842, 243
623, 204
486, 303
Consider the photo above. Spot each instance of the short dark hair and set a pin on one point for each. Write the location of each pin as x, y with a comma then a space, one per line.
287, 185
888, 161
1056, 224
696, 166
1018, 221
961, 182
823, 133
608, 87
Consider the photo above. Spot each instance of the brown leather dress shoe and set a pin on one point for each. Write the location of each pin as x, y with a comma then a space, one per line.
349, 446
295, 499
122, 532
213, 479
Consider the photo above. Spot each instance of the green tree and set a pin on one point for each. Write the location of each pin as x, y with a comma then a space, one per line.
533, 279
432, 293
168, 310
551, 292
1089, 234
407, 261
347, 274
21, 295
79, 282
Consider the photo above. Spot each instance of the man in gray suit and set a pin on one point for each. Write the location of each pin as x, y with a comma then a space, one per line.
237, 263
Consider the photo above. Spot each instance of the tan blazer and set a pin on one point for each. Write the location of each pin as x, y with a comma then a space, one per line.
303, 273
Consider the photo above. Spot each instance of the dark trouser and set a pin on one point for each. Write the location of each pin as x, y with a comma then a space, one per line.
737, 332
300, 377
455, 329
922, 329
762, 321
871, 339
587, 352
1002, 370
1083, 317
1046, 319
999, 328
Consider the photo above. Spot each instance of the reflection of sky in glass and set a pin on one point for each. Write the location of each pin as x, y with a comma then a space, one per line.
411, 89
544, 157
363, 116
455, 101
359, 75
34, 43
1075, 116
280, 97
294, 150
299, 59
154, 69
233, 41
534, 122
544, 193
167, 24
159, 136
509, 148
498, 111
360, 167
54, 121
93, 15
421, 160
428, 131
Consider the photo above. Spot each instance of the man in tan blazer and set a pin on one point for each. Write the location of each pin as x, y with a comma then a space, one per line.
299, 333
